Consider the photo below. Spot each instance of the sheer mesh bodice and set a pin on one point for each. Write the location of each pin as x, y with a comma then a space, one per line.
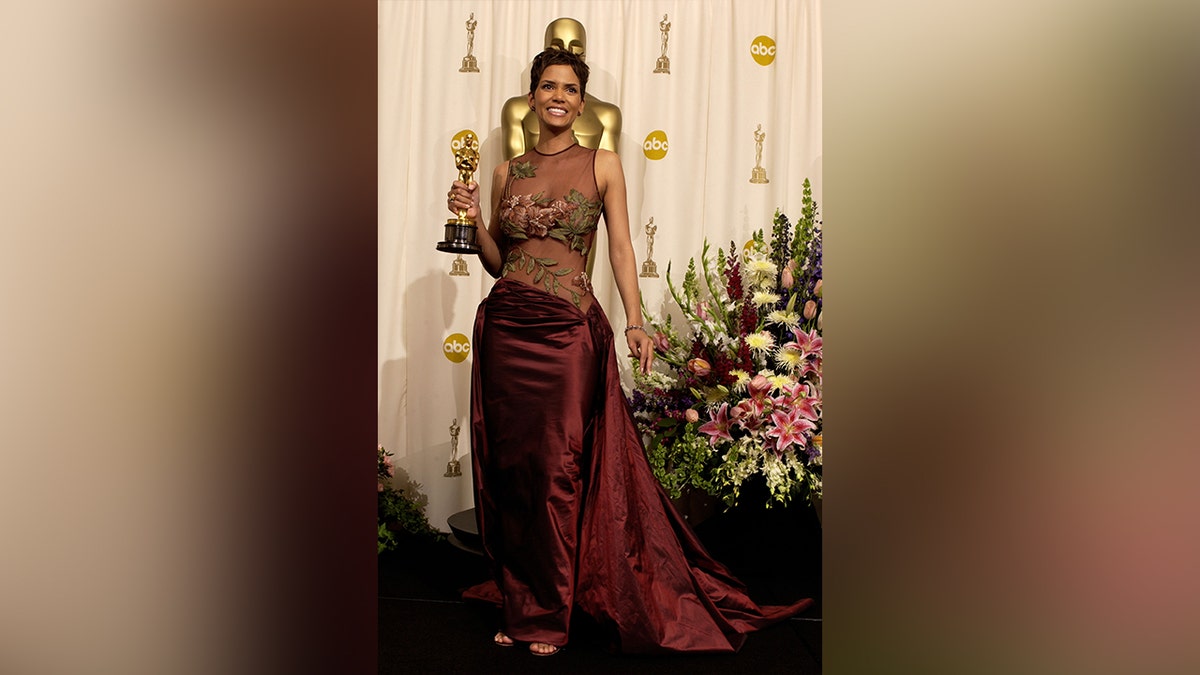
548, 215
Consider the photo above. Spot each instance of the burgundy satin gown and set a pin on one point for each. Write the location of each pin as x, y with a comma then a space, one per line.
570, 514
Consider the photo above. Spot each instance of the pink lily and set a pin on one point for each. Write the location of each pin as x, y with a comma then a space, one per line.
789, 429
807, 366
803, 397
747, 414
805, 406
807, 342
718, 425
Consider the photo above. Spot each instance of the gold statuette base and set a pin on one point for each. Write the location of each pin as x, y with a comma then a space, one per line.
758, 175
469, 65
453, 469
459, 238
649, 269
663, 65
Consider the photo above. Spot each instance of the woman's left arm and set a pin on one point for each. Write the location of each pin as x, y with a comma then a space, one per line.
610, 178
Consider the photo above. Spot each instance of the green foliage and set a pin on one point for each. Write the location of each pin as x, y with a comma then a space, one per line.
683, 462
396, 510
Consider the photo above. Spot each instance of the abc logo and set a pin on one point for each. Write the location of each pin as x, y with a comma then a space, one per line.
763, 50
655, 145
457, 348
462, 138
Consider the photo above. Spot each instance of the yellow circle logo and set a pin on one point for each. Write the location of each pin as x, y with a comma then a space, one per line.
763, 50
463, 139
655, 146
457, 348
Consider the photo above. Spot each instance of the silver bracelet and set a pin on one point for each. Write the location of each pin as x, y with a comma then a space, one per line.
631, 327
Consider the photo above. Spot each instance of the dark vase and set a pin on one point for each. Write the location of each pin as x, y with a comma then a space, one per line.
775, 550
696, 505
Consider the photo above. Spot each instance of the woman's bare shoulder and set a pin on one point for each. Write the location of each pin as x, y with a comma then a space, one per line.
607, 161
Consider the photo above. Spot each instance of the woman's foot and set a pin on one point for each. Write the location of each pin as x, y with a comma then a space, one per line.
502, 640
542, 649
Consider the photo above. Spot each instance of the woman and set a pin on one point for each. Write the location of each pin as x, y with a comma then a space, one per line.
568, 510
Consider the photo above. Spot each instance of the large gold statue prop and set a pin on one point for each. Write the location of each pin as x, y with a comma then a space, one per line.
598, 127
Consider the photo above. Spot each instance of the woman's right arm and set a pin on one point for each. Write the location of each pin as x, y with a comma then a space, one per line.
467, 197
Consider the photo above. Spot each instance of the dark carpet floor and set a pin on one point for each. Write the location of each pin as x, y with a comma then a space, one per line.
425, 628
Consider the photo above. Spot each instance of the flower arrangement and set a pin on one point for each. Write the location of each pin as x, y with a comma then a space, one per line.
397, 510
736, 393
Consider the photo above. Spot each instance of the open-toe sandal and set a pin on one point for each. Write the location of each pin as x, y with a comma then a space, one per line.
502, 640
553, 650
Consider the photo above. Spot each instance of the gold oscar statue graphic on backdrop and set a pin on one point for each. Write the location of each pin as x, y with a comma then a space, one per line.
649, 267
460, 232
663, 65
598, 127
458, 268
453, 469
469, 64
758, 174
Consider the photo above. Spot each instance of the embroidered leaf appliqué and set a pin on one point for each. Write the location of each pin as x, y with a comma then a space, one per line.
522, 170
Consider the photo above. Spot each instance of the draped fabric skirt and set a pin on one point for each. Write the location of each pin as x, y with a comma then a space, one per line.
570, 514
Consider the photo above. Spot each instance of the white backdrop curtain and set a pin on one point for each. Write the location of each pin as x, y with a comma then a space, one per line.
708, 107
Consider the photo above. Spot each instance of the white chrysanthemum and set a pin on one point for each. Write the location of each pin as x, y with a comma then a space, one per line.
778, 382
789, 359
780, 316
761, 341
760, 271
742, 379
763, 298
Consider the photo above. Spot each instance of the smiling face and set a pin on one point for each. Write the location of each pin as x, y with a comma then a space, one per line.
558, 97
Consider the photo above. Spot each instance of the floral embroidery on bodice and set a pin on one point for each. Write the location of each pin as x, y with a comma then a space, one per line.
548, 214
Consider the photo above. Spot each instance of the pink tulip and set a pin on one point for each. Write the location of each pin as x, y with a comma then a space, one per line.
810, 309
759, 386
661, 343
699, 367
691, 416
817, 288
788, 278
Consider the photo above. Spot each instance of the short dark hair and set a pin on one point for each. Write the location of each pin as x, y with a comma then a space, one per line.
558, 57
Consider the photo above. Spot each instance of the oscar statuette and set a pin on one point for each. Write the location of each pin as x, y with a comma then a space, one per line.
758, 174
649, 267
453, 467
469, 63
460, 232
663, 65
